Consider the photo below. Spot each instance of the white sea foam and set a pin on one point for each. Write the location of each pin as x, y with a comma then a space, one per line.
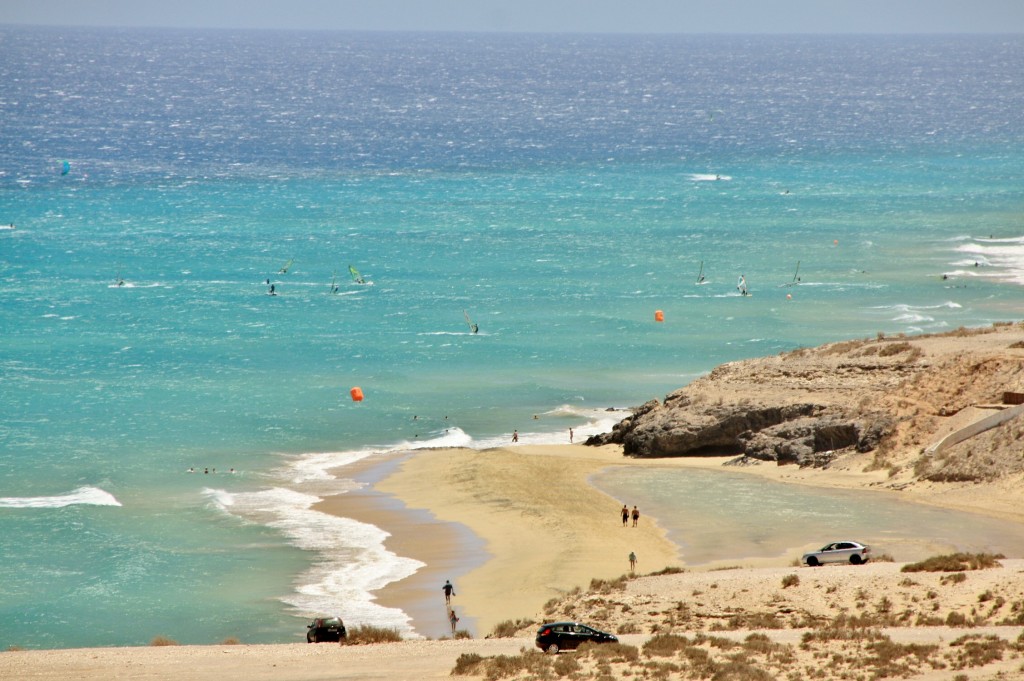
85, 496
708, 177
1005, 257
351, 562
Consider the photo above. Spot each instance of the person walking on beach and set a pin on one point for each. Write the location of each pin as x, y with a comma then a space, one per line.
636, 516
449, 591
515, 436
625, 515
454, 620
632, 561
570, 436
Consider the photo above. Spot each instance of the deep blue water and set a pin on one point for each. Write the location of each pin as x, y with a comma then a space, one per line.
557, 189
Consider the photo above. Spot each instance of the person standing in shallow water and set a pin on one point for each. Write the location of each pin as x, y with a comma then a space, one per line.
636, 516
515, 436
625, 515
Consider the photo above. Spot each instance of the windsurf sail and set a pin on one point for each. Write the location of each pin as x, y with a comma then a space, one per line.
796, 277
287, 266
469, 322
741, 284
356, 277
700, 275
334, 285
65, 167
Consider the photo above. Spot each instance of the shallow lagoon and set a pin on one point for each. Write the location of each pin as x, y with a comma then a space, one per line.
728, 516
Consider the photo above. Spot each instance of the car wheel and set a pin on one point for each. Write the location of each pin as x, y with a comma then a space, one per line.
812, 561
552, 648
856, 559
311, 638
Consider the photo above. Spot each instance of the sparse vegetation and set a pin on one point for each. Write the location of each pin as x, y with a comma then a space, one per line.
790, 580
670, 570
604, 586
366, 633
955, 562
510, 628
163, 641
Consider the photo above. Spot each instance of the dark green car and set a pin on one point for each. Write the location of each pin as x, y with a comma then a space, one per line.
325, 629
569, 635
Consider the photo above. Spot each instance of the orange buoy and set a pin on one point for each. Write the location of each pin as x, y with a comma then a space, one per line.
357, 394
659, 316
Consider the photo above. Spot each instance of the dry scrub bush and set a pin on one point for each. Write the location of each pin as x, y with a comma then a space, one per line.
843, 347
976, 650
670, 570
607, 586
955, 562
367, 633
509, 628
163, 641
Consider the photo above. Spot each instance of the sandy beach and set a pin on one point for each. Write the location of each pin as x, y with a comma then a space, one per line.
522, 532
530, 556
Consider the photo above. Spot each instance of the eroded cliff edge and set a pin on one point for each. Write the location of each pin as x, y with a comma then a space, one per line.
887, 398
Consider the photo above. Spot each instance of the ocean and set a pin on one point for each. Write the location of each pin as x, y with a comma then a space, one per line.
555, 190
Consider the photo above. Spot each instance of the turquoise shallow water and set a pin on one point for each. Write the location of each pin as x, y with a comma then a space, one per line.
559, 204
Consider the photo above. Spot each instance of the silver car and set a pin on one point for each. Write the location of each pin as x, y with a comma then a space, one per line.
839, 552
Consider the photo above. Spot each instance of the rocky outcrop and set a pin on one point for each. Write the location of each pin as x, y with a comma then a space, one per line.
807, 405
801, 433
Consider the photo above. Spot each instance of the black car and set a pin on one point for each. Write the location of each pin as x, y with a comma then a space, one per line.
325, 629
569, 635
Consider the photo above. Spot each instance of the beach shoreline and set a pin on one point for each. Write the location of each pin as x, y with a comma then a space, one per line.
524, 559
446, 549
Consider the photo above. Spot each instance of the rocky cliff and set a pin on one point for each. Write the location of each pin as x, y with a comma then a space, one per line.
810, 405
